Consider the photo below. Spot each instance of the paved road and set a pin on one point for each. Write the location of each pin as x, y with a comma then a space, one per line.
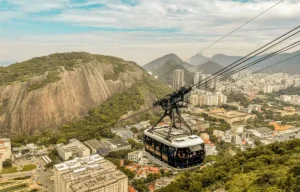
40, 175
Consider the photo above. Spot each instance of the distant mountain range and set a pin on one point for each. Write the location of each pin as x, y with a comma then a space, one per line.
199, 63
292, 66
163, 67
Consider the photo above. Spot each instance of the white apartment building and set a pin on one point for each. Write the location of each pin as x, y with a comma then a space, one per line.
92, 173
135, 156
200, 98
285, 98
74, 147
197, 77
210, 149
178, 79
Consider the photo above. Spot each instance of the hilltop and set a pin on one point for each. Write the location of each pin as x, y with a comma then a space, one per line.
209, 67
45, 93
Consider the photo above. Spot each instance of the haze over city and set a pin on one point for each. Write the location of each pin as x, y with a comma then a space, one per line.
138, 30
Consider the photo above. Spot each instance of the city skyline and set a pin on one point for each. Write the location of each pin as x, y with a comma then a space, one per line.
138, 30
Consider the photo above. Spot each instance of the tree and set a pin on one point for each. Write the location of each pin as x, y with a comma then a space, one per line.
7, 163
130, 174
140, 185
134, 130
135, 145
213, 138
62, 140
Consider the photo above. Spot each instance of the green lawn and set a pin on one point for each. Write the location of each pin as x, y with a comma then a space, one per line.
29, 167
5, 183
9, 170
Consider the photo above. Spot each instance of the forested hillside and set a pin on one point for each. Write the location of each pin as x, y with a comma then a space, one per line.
272, 168
43, 94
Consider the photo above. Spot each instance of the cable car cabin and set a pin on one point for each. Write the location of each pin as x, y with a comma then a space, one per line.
180, 151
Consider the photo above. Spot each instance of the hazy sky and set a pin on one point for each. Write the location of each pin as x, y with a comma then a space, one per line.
138, 30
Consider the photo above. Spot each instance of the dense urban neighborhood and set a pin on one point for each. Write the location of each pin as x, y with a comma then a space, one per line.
229, 122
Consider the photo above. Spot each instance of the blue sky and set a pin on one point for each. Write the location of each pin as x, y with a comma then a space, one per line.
138, 30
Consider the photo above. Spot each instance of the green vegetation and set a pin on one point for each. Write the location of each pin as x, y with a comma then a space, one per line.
135, 145
141, 184
22, 178
52, 76
5, 183
29, 167
287, 91
7, 163
54, 64
266, 168
100, 119
239, 98
9, 170
15, 188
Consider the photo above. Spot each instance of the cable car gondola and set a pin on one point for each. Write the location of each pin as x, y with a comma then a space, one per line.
174, 145
180, 151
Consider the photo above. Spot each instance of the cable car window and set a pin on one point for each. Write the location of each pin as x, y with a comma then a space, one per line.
172, 152
196, 148
165, 151
157, 148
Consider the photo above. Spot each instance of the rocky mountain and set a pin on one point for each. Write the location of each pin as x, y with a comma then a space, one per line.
165, 73
209, 67
157, 63
163, 68
198, 59
47, 92
291, 66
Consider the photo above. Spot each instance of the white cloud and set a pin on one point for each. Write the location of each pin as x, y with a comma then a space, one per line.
199, 23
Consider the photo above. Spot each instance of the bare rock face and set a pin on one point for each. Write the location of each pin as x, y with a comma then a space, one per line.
24, 111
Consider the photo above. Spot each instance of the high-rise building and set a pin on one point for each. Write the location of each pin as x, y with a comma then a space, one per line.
200, 98
197, 77
178, 79
91, 173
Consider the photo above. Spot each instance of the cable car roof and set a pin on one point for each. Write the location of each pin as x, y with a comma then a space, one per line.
178, 138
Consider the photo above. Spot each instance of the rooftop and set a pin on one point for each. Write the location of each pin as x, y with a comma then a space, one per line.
72, 143
263, 130
93, 178
78, 163
118, 142
94, 143
178, 137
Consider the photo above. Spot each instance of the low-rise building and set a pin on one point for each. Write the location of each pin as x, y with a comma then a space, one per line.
123, 133
210, 149
73, 148
261, 132
97, 147
118, 144
135, 156
218, 133
227, 137
231, 116
92, 173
